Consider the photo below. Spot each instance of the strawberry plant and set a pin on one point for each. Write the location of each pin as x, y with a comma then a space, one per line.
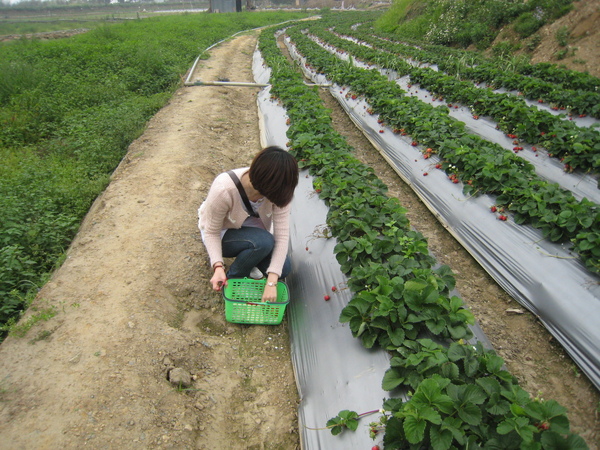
489, 168
462, 395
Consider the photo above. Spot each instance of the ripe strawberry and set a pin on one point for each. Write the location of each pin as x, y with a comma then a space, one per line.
425, 174
375, 447
414, 143
381, 131
493, 209
306, 248
327, 297
333, 288
438, 166
502, 218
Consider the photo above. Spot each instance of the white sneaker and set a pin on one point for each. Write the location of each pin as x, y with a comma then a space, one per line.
256, 274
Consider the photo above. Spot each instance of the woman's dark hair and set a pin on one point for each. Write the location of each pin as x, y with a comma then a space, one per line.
274, 173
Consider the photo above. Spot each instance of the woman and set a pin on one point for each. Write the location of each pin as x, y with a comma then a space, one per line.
255, 235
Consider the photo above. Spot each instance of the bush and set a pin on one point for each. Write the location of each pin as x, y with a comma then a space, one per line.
527, 24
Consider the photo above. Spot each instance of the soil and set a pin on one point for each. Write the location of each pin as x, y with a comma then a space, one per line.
139, 354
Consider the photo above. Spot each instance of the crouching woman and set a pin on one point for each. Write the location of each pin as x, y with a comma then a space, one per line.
246, 216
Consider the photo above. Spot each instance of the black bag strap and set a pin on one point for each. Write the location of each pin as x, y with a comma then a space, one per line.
238, 184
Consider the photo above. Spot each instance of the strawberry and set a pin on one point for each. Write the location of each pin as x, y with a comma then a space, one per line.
381, 131
327, 298
333, 288
414, 143
493, 209
375, 447
306, 248
425, 174
502, 218
438, 166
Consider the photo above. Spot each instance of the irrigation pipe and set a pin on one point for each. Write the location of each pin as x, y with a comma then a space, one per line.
187, 80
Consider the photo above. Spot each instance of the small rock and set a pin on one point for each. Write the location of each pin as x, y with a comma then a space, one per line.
180, 377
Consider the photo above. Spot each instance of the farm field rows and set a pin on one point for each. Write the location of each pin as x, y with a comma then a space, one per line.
148, 275
371, 315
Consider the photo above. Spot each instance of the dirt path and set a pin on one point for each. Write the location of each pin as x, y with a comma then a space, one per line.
133, 302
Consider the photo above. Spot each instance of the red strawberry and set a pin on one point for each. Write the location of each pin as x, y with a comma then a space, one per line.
327, 297
438, 166
414, 143
425, 174
493, 209
333, 288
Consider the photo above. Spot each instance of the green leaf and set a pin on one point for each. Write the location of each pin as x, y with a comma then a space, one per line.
414, 428
397, 336
413, 285
441, 439
392, 379
470, 413
430, 414
490, 385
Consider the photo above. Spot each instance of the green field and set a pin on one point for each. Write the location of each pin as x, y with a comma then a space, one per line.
69, 108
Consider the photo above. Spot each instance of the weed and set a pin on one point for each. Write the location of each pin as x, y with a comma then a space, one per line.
20, 329
562, 36
561, 54
41, 336
533, 43
181, 388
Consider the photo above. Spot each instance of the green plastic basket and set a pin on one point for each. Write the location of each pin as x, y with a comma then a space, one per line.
243, 302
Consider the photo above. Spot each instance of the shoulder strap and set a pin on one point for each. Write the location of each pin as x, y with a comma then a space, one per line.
238, 184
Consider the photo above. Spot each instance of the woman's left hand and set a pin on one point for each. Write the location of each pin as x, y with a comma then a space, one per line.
270, 292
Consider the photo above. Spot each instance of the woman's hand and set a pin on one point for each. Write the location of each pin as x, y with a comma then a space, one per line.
219, 278
270, 292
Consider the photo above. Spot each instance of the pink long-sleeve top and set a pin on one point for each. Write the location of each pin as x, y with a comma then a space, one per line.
224, 209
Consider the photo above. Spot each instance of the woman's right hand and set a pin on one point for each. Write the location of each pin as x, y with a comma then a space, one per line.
219, 278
